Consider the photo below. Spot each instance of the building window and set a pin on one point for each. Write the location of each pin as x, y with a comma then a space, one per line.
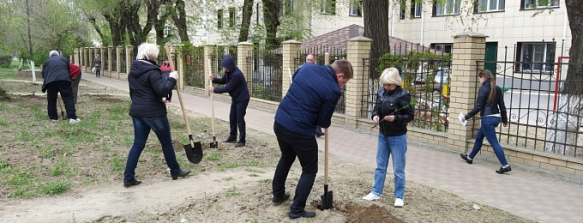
537, 4
329, 7
444, 47
288, 7
416, 9
355, 8
232, 17
220, 18
402, 6
536, 57
449, 7
489, 6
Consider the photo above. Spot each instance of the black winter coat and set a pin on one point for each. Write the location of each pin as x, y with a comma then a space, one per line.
397, 103
56, 68
147, 87
234, 81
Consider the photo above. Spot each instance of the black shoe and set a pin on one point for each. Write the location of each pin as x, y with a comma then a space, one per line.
279, 200
230, 140
304, 214
240, 144
504, 170
465, 157
182, 173
131, 183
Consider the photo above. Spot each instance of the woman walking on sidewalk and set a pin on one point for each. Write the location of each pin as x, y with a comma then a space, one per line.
490, 104
392, 112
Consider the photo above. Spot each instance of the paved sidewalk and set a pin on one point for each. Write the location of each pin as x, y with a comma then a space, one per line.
541, 197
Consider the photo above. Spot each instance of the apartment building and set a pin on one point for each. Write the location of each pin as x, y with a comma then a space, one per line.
520, 30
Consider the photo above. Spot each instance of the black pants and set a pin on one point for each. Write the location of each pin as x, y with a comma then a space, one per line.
237, 118
306, 149
63, 87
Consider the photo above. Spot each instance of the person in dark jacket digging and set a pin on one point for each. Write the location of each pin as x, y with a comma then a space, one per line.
235, 84
392, 111
309, 102
148, 111
56, 80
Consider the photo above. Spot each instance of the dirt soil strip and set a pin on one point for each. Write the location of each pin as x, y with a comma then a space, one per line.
90, 204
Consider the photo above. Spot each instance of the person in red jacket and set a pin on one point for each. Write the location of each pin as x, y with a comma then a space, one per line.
75, 76
166, 68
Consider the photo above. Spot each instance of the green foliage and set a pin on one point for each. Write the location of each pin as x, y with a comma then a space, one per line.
54, 188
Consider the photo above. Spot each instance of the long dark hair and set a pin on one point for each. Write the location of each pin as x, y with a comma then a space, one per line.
488, 75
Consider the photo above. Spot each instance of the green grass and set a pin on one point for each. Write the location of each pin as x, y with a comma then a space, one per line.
117, 163
264, 181
237, 165
9, 73
54, 188
59, 169
231, 192
228, 178
253, 175
3, 122
24, 136
214, 156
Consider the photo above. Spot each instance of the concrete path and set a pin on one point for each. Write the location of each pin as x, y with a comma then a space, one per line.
529, 193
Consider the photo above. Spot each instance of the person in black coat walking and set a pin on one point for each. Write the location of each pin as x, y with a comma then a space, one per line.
235, 84
55, 73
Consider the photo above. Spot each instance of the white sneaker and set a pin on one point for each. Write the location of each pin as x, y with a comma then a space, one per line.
73, 121
399, 202
371, 197
54, 120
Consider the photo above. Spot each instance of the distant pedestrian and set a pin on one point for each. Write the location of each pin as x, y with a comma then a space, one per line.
75, 76
55, 73
392, 111
235, 84
490, 104
97, 65
148, 112
166, 68
310, 101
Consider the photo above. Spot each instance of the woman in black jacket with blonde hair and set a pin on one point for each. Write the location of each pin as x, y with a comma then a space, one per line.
490, 104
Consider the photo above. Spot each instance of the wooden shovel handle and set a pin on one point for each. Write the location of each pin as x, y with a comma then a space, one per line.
179, 95
326, 156
212, 102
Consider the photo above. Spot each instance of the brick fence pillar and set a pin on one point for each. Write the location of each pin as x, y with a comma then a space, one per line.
244, 50
109, 60
358, 50
468, 48
210, 66
291, 50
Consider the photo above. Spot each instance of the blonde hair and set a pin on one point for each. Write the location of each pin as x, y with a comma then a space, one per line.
391, 76
147, 51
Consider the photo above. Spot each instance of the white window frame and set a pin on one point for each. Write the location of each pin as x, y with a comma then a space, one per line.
355, 8
327, 8
418, 9
451, 7
442, 47
487, 6
550, 4
232, 17
533, 56
220, 18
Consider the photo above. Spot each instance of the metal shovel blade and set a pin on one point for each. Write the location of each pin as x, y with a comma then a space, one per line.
194, 155
327, 198
214, 143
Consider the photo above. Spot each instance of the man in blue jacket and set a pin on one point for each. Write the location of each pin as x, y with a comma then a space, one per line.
235, 84
56, 80
309, 102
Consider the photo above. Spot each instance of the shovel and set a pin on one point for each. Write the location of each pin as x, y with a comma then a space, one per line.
193, 149
327, 197
214, 143
61, 107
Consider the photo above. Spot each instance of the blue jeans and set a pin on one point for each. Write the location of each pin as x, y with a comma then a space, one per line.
488, 130
397, 146
142, 127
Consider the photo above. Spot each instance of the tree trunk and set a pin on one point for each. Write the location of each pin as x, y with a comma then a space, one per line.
115, 27
567, 119
376, 26
271, 10
180, 21
246, 22
30, 43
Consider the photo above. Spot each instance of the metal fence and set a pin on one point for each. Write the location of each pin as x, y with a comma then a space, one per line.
427, 79
194, 67
114, 59
267, 74
105, 60
220, 52
542, 115
122, 54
